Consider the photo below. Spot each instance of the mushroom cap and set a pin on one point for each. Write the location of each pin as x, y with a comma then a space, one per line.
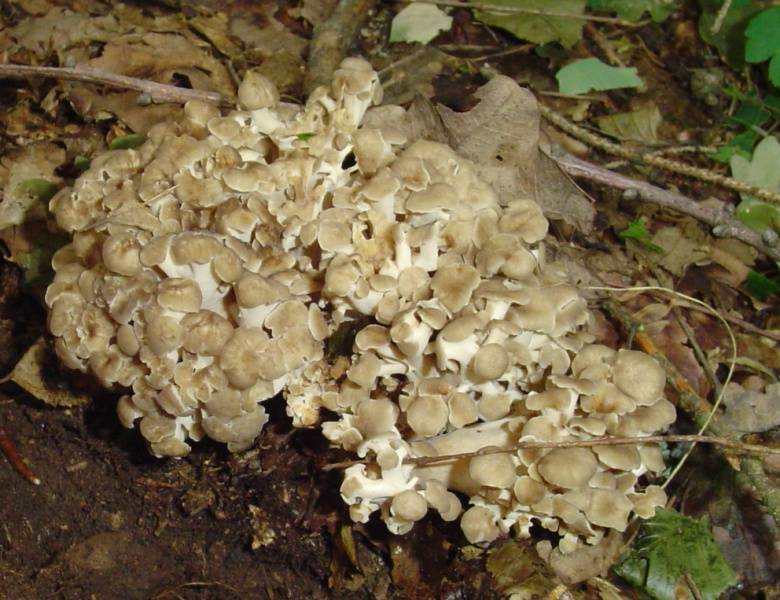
479, 525
427, 415
453, 284
257, 91
409, 505
609, 508
493, 470
179, 294
639, 376
568, 467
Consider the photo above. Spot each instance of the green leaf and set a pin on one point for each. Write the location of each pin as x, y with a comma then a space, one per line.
419, 23
760, 286
41, 189
126, 142
306, 136
672, 547
763, 171
763, 36
636, 230
730, 38
538, 25
740, 145
590, 74
633, 10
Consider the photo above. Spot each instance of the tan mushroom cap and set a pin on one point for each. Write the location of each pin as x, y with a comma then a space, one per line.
179, 294
640, 376
620, 457
453, 284
163, 334
645, 503
529, 491
409, 505
463, 410
257, 91
479, 525
609, 508
493, 470
121, 254
427, 415
490, 362
254, 290
242, 356
441, 499
568, 467
375, 416
206, 333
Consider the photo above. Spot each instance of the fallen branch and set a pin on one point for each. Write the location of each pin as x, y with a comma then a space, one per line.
331, 40
654, 160
727, 225
156, 92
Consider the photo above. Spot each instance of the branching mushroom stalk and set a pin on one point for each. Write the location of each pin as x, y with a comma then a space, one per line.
209, 267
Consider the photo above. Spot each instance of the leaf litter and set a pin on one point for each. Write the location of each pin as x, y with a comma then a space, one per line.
501, 131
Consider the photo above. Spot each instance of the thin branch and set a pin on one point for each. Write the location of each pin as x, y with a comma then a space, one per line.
157, 92
654, 160
610, 441
517, 10
727, 225
8, 448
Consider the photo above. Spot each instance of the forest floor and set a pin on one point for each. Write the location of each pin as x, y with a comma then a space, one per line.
110, 521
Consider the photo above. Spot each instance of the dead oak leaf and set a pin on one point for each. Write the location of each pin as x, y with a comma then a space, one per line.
501, 135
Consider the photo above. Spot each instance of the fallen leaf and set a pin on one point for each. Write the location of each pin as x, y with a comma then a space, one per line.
419, 23
591, 74
762, 171
404, 81
748, 411
672, 549
518, 571
637, 125
584, 563
24, 173
501, 135
31, 374
730, 38
678, 250
542, 23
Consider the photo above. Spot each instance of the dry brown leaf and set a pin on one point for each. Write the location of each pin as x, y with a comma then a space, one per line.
413, 75
679, 250
30, 375
35, 161
582, 564
751, 412
271, 38
501, 135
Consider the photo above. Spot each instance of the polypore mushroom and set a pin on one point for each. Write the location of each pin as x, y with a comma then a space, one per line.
209, 268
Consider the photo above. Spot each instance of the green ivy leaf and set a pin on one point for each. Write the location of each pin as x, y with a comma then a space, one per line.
419, 23
538, 25
633, 10
590, 74
306, 136
41, 189
672, 549
127, 142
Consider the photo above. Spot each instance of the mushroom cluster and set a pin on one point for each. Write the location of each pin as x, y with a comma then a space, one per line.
209, 266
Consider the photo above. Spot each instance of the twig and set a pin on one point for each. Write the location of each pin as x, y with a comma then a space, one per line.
331, 40
158, 92
720, 17
608, 441
654, 160
8, 448
750, 477
517, 10
727, 225
604, 44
